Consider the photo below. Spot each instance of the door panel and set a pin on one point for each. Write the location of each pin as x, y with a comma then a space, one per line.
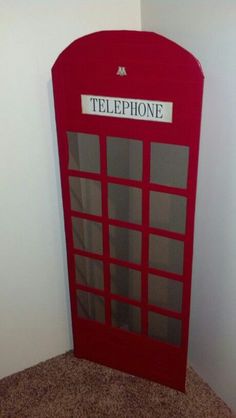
84, 152
90, 306
128, 148
89, 272
169, 165
166, 254
125, 282
168, 211
119, 163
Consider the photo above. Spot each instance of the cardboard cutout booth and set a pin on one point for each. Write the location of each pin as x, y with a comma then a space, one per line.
128, 111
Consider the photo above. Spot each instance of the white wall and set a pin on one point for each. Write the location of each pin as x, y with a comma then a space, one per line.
34, 305
208, 30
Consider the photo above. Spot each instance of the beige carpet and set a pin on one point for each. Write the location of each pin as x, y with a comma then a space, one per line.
66, 387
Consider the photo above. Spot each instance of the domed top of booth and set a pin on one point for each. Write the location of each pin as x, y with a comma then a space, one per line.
156, 55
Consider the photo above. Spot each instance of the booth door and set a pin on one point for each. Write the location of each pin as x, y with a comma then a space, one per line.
129, 186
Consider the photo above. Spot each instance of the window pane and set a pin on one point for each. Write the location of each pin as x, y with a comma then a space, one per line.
125, 203
164, 328
125, 316
87, 235
169, 165
89, 272
90, 306
166, 254
85, 195
124, 158
84, 152
165, 293
125, 244
125, 281
168, 211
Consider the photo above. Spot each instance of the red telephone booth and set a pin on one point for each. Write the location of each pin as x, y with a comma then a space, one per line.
128, 110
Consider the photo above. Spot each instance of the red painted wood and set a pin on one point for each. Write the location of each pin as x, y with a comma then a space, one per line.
157, 69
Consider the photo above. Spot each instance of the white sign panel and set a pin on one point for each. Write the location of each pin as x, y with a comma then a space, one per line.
155, 111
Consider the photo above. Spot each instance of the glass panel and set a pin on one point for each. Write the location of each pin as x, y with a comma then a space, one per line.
124, 158
125, 244
85, 195
125, 203
125, 316
89, 272
87, 235
168, 211
166, 254
125, 281
164, 328
90, 306
165, 293
169, 165
84, 152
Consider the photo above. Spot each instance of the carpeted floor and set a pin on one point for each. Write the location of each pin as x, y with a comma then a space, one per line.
65, 387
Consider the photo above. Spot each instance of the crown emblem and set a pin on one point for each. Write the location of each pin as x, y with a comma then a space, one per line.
121, 71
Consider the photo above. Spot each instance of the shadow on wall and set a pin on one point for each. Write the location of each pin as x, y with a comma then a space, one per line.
60, 208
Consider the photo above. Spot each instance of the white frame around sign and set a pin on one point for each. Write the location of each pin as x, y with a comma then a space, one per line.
150, 110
